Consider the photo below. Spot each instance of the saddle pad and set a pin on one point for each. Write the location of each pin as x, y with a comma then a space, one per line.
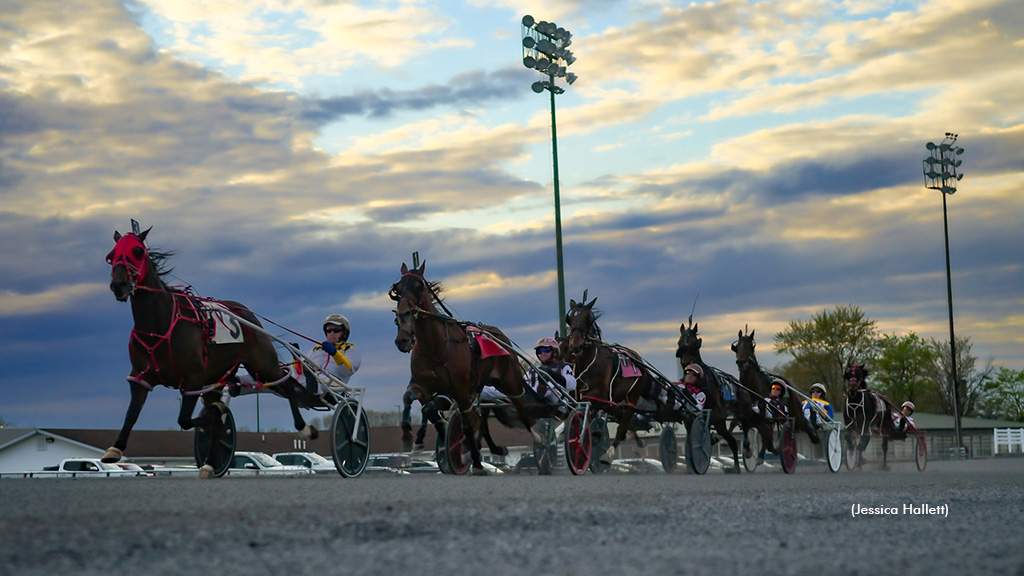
627, 367
488, 346
727, 387
226, 329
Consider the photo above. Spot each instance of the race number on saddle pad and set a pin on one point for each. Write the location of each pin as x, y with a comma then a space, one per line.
226, 329
488, 346
626, 365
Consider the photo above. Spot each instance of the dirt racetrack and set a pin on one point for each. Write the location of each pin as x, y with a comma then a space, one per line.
762, 523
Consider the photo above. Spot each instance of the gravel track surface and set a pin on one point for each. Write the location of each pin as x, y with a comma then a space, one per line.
762, 523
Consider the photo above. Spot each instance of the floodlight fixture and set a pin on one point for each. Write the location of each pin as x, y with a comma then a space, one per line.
528, 21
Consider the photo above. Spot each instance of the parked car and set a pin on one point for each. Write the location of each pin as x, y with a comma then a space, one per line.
135, 468
311, 460
86, 468
260, 463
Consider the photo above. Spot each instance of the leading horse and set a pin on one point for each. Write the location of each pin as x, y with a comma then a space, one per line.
446, 360
758, 382
688, 352
171, 345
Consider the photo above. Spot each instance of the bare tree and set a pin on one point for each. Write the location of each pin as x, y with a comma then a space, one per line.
971, 379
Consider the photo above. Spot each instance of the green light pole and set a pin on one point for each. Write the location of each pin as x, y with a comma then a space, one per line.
545, 49
940, 173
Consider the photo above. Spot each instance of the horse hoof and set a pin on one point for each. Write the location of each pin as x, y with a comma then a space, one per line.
206, 472
309, 433
111, 455
500, 451
418, 447
481, 471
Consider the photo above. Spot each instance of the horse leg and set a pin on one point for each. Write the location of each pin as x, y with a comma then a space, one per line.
306, 431
861, 446
485, 434
407, 420
724, 432
885, 453
625, 419
470, 427
139, 395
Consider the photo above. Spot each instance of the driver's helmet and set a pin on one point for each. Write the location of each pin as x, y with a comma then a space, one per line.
548, 342
695, 368
780, 384
337, 320
819, 387
909, 404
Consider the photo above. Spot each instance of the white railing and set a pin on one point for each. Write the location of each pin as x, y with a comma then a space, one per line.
1008, 437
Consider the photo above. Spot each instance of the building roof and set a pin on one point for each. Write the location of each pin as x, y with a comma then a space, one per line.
925, 421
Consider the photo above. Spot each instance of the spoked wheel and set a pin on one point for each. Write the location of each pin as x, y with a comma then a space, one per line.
457, 445
668, 448
787, 448
600, 440
921, 453
834, 450
545, 453
698, 445
441, 454
751, 449
215, 443
577, 443
350, 439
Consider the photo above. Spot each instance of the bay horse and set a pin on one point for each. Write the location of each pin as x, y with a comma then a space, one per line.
170, 345
599, 373
688, 352
757, 382
444, 362
866, 411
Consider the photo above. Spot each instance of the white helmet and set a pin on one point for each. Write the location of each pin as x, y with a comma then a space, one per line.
909, 404
695, 368
819, 387
338, 320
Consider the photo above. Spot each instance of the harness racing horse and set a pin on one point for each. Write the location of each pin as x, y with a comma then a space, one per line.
447, 361
688, 352
865, 411
758, 383
612, 377
171, 345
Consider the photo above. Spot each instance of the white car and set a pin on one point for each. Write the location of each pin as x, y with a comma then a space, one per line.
260, 464
315, 462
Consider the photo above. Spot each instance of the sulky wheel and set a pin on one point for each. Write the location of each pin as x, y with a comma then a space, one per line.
834, 450
787, 448
668, 448
751, 449
215, 442
441, 455
921, 453
544, 453
350, 439
577, 442
600, 440
457, 445
698, 444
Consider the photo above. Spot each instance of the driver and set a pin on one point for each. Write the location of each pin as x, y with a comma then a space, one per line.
692, 385
901, 419
550, 362
813, 412
774, 408
336, 354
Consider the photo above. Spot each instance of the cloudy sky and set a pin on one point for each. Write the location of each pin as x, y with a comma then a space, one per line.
764, 155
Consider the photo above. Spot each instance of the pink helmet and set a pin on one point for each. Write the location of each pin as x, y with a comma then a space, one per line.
695, 368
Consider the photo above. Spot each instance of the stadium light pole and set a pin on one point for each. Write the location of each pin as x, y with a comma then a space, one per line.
545, 49
940, 173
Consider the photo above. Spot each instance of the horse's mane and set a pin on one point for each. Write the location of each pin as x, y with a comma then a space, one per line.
159, 259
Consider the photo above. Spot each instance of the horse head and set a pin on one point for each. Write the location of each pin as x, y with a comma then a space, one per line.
744, 349
688, 347
854, 377
581, 320
405, 321
412, 287
129, 262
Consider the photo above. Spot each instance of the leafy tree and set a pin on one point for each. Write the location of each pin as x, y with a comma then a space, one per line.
823, 346
971, 379
1003, 395
903, 369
